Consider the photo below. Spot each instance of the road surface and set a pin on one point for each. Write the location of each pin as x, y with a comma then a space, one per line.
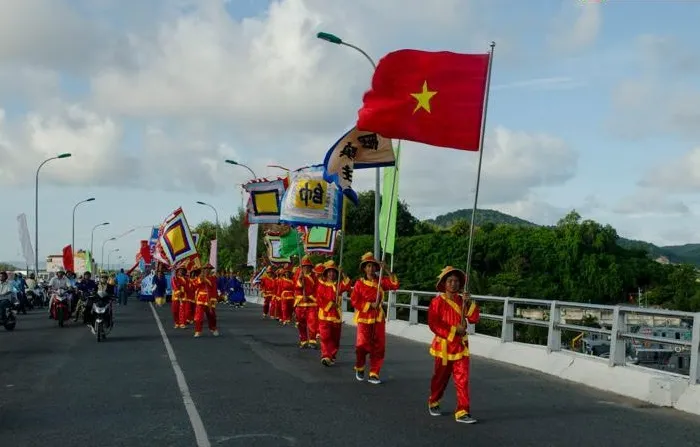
253, 387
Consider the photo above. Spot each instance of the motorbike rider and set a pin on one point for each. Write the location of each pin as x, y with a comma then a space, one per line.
21, 288
6, 290
57, 282
87, 286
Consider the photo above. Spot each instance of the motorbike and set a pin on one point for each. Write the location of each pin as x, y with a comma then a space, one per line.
8, 317
85, 300
102, 315
37, 297
61, 306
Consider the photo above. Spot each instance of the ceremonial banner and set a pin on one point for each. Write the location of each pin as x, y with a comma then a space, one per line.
311, 200
356, 150
273, 245
319, 240
176, 239
154, 238
213, 258
265, 200
145, 252
25, 240
390, 206
253, 245
291, 243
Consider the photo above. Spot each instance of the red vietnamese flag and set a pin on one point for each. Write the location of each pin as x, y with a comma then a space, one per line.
435, 98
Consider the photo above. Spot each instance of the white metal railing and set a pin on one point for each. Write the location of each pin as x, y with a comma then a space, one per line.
619, 334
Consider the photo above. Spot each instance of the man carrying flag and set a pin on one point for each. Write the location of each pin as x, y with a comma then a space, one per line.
305, 305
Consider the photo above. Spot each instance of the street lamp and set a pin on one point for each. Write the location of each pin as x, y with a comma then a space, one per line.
72, 240
216, 213
332, 38
232, 162
102, 252
92, 239
108, 256
36, 210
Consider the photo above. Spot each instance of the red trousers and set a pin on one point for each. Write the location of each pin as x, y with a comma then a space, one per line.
200, 312
175, 308
307, 323
274, 308
459, 370
266, 304
371, 339
330, 338
186, 312
287, 308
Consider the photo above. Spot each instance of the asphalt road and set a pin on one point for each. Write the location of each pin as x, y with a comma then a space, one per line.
253, 387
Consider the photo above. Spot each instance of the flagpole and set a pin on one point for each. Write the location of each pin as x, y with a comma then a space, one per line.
478, 178
386, 234
340, 260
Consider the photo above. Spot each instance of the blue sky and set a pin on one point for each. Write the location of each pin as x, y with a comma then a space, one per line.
593, 107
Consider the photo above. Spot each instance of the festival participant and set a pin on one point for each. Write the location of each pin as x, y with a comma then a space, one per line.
369, 317
450, 347
285, 292
305, 305
205, 301
179, 283
267, 287
236, 294
274, 298
187, 311
329, 313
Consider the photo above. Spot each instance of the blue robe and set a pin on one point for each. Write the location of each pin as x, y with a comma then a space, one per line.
235, 292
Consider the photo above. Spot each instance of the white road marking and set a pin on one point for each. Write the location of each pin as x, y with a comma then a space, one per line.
200, 433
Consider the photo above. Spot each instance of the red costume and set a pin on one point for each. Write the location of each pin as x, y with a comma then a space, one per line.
305, 306
267, 286
206, 297
285, 292
371, 324
451, 350
329, 314
180, 286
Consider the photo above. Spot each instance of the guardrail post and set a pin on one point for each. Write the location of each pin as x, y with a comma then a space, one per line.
695, 351
617, 343
554, 333
507, 325
413, 312
344, 304
391, 306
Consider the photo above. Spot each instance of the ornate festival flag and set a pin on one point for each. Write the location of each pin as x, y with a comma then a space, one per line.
356, 150
435, 98
273, 244
310, 200
176, 239
319, 240
265, 200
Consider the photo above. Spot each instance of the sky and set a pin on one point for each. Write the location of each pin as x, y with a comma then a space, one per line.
593, 106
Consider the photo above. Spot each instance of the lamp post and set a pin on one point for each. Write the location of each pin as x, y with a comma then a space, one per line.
332, 38
36, 210
216, 214
232, 162
72, 239
102, 253
92, 239
108, 256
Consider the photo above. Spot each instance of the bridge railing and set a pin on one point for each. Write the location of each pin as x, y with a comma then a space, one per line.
507, 318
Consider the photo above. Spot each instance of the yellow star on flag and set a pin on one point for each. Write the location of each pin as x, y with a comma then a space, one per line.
423, 98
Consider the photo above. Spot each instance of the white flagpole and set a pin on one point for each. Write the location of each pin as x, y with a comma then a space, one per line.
478, 174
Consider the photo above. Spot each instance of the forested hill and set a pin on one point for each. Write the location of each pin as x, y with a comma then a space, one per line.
482, 217
677, 254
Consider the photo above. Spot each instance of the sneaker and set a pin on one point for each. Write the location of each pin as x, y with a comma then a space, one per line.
215, 333
313, 345
303, 344
359, 376
332, 361
434, 411
466, 419
197, 334
326, 362
374, 379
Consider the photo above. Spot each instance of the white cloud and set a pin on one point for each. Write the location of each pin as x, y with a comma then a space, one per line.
644, 202
577, 27
679, 175
515, 163
551, 83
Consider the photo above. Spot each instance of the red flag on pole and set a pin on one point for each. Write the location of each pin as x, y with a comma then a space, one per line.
68, 258
435, 98
145, 252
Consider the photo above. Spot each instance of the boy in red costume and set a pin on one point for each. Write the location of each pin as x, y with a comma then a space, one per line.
285, 292
328, 297
267, 287
305, 305
179, 285
369, 317
206, 297
447, 317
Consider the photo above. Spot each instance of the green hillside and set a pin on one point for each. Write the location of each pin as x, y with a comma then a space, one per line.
677, 254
